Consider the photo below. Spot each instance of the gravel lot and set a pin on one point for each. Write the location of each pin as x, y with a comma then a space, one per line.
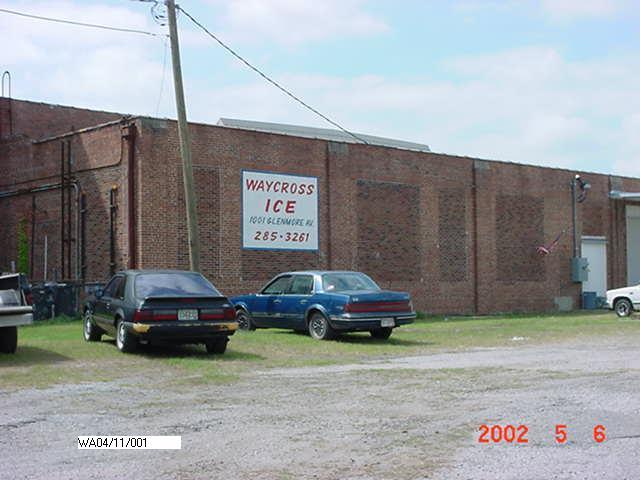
405, 418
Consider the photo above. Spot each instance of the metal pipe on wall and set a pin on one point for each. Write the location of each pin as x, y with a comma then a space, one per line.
68, 192
112, 227
33, 235
131, 196
62, 209
46, 254
82, 261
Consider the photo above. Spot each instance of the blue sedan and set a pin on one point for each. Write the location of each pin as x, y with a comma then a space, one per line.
324, 303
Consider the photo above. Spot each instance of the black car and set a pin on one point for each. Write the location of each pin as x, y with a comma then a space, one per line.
168, 306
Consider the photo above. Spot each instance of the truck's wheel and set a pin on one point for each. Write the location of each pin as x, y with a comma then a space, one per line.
217, 347
8, 339
623, 307
91, 332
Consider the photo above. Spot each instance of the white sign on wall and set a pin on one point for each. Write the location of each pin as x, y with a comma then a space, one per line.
279, 212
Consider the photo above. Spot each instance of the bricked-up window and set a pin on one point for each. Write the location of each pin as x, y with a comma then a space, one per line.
519, 230
388, 230
207, 195
264, 264
452, 240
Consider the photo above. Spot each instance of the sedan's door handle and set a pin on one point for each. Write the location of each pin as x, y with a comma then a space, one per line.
277, 301
303, 301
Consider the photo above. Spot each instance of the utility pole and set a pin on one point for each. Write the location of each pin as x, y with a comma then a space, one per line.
185, 143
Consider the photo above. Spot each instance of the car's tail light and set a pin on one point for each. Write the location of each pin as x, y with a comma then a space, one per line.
154, 315
229, 313
143, 315
367, 307
29, 298
211, 315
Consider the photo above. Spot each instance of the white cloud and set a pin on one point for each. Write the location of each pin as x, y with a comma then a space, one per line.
294, 22
82, 66
572, 9
527, 105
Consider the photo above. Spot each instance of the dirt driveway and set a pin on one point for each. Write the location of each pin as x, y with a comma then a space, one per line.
404, 418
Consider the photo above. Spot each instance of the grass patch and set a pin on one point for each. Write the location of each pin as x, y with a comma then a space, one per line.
53, 352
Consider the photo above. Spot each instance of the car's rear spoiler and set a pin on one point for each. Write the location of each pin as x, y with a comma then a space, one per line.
177, 300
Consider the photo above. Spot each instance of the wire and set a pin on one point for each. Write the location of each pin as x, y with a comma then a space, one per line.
164, 71
268, 79
82, 24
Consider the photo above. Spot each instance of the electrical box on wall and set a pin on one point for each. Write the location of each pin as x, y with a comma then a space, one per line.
579, 269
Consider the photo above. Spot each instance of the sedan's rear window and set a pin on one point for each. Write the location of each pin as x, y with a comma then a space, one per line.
341, 282
173, 284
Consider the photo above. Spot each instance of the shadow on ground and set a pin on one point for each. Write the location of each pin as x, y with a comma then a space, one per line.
165, 351
27, 356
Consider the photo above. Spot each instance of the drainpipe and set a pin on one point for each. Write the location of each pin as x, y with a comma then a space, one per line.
474, 207
33, 235
83, 236
112, 226
131, 197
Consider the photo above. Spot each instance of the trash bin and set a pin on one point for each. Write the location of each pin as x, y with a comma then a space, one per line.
589, 300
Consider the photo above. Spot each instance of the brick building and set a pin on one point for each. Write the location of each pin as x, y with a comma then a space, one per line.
459, 233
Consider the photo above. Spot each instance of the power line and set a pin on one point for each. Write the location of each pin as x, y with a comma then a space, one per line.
82, 24
268, 79
164, 70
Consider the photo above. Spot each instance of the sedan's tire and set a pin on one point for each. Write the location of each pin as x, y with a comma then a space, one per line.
217, 347
381, 333
8, 339
623, 307
244, 320
319, 327
125, 341
90, 331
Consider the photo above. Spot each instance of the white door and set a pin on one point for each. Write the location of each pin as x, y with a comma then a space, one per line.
594, 249
633, 245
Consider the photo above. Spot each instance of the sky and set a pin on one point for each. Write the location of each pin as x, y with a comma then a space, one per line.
546, 82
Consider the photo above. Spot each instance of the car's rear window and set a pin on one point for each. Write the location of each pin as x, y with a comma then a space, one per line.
341, 282
173, 284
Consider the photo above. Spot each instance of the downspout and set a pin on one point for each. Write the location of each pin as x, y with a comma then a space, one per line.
131, 196
33, 235
83, 230
62, 210
328, 190
474, 207
68, 180
76, 188
112, 225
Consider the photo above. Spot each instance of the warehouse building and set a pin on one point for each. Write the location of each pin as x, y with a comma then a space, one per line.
95, 192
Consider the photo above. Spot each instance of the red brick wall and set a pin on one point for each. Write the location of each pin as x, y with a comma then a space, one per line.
406, 218
97, 166
37, 120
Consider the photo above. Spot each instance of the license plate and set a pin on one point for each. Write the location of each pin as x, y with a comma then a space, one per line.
387, 322
187, 314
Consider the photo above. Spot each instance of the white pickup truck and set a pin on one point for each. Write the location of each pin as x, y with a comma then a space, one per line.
624, 300
14, 311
